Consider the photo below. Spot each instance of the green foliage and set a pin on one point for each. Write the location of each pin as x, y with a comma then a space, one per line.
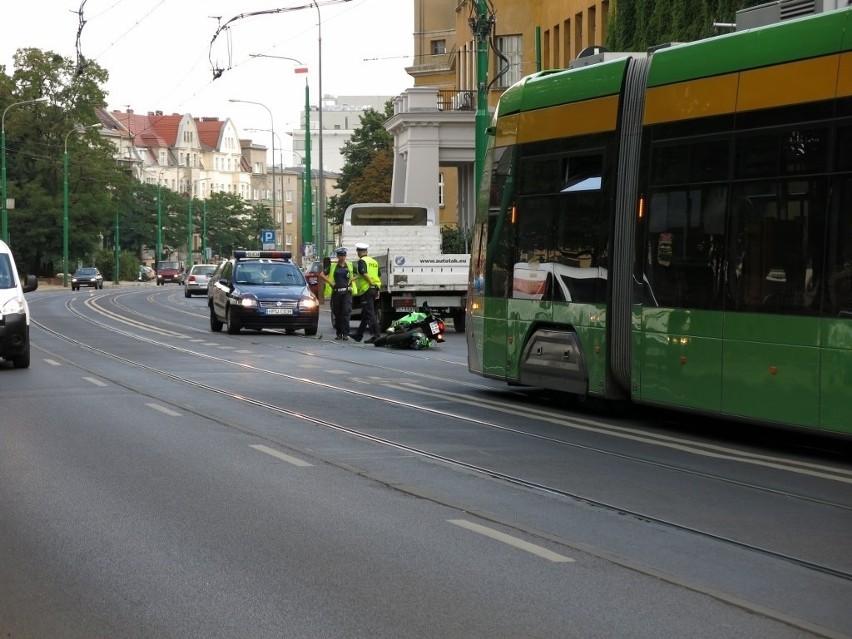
366, 172
232, 224
37, 137
636, 25
128, 265
455, 239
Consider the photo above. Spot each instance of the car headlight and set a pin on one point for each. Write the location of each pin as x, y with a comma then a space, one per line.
248, 301
308, 303
13, 306
73, 279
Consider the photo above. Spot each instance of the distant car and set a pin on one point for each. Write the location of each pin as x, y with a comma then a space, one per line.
312, 276
146, 274
261, 289
169, 271
87, 276
197, 279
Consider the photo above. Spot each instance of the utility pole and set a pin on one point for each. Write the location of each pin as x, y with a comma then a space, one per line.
481, 27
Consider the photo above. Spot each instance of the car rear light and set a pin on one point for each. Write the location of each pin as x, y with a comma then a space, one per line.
192, 278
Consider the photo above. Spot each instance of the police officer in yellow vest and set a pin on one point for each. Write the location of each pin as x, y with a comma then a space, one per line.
367, 284
339, 278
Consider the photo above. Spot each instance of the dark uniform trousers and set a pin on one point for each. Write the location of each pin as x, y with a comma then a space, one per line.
368, 314
341, 309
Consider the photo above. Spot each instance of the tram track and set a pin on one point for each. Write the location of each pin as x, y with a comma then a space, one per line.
447, 460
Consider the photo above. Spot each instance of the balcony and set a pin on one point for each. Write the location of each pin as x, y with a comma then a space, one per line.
455, 100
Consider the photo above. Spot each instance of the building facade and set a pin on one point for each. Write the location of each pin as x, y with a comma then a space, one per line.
433, 122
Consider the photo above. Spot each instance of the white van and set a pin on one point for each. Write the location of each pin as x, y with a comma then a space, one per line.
14, 312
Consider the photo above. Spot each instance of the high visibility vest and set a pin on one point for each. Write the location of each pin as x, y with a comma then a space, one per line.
364, 282
327, 290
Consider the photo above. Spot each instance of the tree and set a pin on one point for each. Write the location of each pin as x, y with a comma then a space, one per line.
636, 25
368, 141
36, 141
232, 224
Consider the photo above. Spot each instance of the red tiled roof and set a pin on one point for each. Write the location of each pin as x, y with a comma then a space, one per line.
209, 132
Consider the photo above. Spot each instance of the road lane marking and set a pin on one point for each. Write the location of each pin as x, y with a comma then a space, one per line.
53, 362
163, 409
280, 455
244, 352
544, 553
94, 381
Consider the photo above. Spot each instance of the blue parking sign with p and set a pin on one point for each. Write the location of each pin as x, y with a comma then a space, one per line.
267, 236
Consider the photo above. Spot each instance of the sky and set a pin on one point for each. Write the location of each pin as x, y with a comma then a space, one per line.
158, 52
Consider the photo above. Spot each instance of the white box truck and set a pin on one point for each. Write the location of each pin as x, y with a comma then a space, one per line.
405, 239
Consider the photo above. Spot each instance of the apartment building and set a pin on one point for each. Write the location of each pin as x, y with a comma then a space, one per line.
433, 123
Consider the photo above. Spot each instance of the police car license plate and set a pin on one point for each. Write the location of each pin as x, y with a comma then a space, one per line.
279, 311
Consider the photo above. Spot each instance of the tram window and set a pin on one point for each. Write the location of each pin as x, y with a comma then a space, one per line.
685, 240
788, 152
703, 161
775, 245
838, 278
670, 164
708, 161
757, 155
844, 148
540, 175
583, 173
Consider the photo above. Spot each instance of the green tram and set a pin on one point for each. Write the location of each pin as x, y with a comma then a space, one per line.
676, 229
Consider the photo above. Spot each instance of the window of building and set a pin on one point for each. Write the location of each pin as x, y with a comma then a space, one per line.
509, 69
289, 240
440, 189
438, 47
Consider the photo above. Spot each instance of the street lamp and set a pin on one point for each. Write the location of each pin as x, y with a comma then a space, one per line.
5, 218
204, 222
307, 232
159, 255
321, 230
77, 129
272, 129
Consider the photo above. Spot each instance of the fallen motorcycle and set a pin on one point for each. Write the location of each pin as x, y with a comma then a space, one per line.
421, 329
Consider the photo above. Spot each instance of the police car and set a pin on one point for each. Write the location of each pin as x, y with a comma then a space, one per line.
14, 311
261, 289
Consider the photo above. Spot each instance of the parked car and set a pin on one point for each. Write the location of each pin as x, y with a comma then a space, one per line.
169, 271
197, 279
87, 276
146, 274
14, 311
312, 276
261, 289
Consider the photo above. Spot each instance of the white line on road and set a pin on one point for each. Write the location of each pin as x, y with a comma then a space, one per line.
512, 541
163, 409
53, 362
94, 381
280, 455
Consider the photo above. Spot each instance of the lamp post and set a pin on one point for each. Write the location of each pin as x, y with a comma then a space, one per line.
272, 129
204, 223
5, 218
321, 230
307, 231
77, 129
159, 255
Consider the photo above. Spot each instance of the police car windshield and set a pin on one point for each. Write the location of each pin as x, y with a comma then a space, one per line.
268, 274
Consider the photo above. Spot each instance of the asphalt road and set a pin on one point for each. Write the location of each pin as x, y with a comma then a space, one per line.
161, 480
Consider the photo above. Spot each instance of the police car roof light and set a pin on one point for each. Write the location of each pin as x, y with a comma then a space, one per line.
246, 255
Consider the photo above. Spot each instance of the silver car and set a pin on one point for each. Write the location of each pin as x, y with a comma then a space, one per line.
197, 278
